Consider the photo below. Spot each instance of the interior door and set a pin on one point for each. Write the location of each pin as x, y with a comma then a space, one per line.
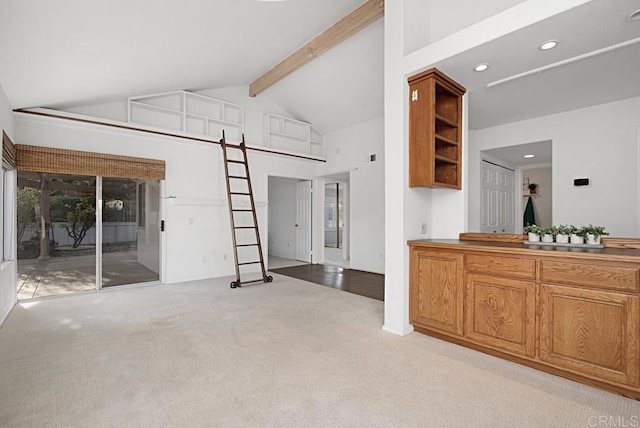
303, 221
497, 199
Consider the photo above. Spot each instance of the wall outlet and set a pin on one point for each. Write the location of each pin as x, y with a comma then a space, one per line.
224, 256
423, 228
190, 221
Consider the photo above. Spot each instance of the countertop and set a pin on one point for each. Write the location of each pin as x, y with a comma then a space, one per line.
622, 254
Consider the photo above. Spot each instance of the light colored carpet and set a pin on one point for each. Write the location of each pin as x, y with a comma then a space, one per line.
285, 354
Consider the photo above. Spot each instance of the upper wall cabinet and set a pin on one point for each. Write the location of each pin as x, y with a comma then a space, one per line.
435, 130
292, 135
186, 111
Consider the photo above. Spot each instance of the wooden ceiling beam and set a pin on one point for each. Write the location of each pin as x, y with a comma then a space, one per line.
367, 13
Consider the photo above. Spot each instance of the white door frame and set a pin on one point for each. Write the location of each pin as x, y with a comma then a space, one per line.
317, 216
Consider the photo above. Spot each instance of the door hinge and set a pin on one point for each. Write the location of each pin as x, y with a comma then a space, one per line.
161, 225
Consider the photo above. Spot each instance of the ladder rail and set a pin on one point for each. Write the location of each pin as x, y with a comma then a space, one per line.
243, 147
233, 222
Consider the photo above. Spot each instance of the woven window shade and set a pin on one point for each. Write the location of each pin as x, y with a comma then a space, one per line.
8, 152
61, 161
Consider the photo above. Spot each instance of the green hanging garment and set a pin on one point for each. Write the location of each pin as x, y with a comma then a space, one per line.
529, 215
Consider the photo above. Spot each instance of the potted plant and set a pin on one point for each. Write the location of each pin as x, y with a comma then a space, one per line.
547, 234
593, 234
533, 232
576, 235
532, 188
562, 233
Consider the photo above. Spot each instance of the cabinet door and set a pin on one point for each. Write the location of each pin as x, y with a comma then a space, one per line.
591, 332
436, 290
501, 313
421, 129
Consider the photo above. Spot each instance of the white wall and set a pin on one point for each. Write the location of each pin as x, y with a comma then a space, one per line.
543, 199
600, 143
198, 236
282, 217
347, 150
7, 268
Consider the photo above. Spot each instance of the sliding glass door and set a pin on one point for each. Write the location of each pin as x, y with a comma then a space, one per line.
69, 243
130, 231
56, 234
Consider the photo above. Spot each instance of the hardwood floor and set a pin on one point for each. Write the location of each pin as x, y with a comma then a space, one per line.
353, 281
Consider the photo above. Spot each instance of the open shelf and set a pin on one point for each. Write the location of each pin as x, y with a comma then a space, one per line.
293, 135
190, 112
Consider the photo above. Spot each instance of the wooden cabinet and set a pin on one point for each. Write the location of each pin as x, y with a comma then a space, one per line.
435, 130
590, 332
576, 314
436, 299
501, 313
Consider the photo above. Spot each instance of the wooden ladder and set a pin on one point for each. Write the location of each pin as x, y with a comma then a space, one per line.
232, 212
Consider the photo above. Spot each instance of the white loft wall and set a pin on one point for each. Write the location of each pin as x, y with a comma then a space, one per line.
8, 268
197, 237
427, 21
599, 142
255, 109
347, 150
282, 217
447, 210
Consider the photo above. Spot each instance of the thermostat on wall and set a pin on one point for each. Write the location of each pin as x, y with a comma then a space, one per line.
581, 182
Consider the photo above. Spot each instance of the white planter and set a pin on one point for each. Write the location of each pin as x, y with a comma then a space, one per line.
592, 239
533, 237
547, 237
575, 239
562, 238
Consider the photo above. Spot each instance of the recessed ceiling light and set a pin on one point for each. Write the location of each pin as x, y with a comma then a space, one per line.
634, 16
529, 156
549, 44
481, 67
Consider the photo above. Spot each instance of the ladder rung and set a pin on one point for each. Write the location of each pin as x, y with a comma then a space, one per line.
245, 227
240, 193
247, 245
238, 177
235, 161
252, 281
247, 210
249, 263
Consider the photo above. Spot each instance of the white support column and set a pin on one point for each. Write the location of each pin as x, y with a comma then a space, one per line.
396, 293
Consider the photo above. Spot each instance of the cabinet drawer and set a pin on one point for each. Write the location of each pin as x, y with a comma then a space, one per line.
512, 267
607, 277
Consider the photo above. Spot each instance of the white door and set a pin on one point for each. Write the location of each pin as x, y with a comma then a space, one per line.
303, 221
497, 199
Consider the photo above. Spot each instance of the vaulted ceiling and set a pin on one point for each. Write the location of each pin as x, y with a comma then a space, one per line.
66, 53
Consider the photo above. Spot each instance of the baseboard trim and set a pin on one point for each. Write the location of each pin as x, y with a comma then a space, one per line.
408, 329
